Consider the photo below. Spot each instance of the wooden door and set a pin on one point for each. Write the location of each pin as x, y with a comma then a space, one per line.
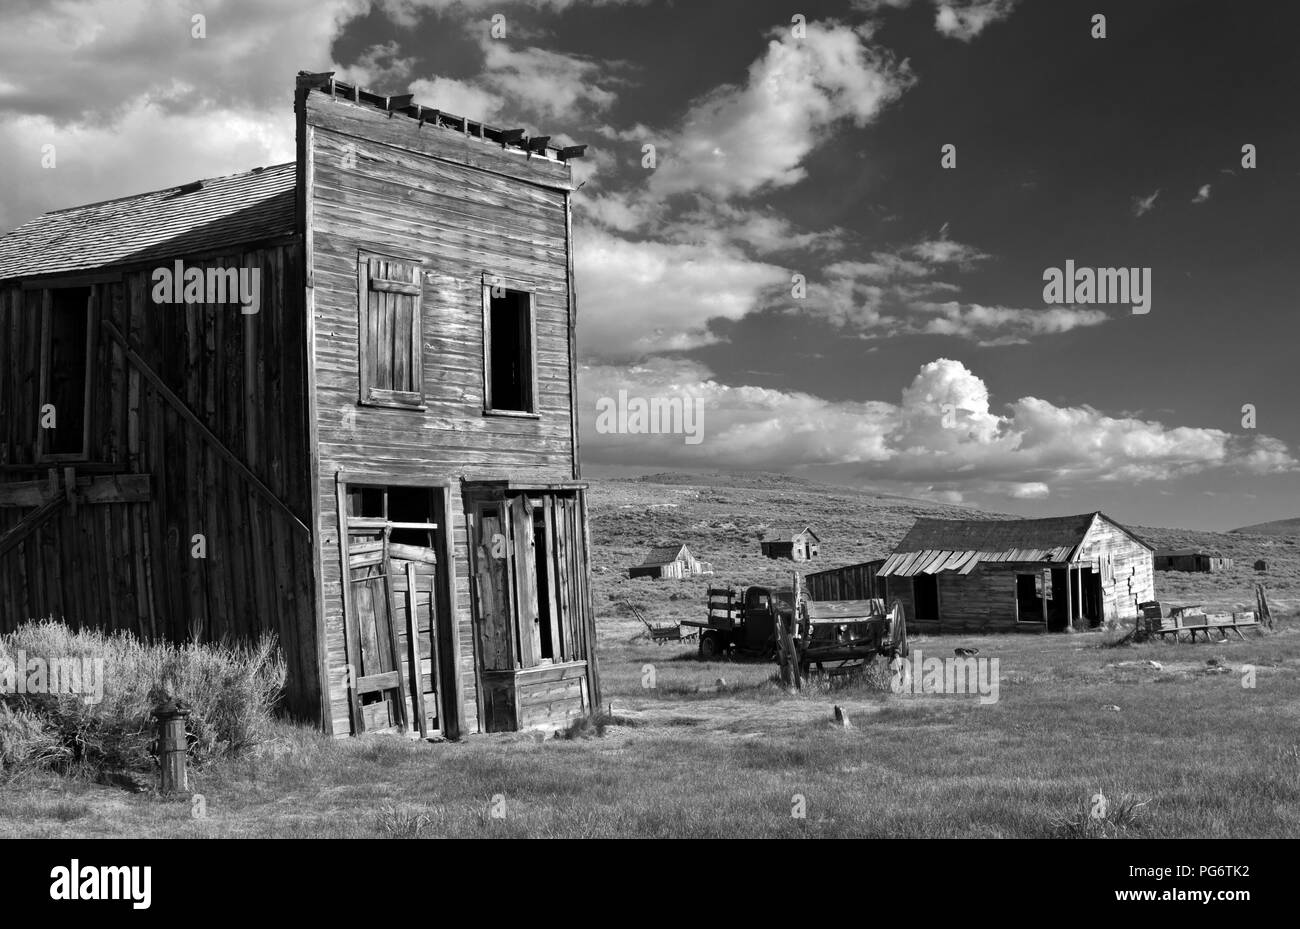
379, 691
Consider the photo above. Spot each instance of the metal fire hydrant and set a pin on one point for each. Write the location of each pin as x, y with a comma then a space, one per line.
172, 744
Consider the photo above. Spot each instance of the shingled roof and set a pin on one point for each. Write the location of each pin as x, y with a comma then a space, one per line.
664, 554
184, 220
934, 545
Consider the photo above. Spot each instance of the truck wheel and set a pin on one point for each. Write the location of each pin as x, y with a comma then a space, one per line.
710, 646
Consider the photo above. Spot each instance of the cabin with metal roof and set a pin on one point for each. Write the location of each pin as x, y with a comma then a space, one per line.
791, 543
330, 400
1193, 560
673, 560
1027, 575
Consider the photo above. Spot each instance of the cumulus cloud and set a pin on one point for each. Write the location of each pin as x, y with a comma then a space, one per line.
408, 12
137, 102
460, 97
905, 292
957, 19
544, 83
943, 438
640, 297
965, 19
741, 139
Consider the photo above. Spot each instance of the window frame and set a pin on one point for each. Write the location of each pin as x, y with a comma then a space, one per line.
492, 279
368, 394
47, 318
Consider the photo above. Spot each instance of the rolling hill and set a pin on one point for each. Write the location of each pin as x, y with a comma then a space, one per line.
721, 516
1282, 527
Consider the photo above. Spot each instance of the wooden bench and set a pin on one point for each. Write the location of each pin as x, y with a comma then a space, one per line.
1193, 621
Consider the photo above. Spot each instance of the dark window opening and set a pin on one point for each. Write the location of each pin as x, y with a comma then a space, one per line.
67, 365
510, 355
1029, 602
366, 502
925, 593
411, 505
542, 553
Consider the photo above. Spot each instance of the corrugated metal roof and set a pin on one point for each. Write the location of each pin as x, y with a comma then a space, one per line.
935, 545
188, 219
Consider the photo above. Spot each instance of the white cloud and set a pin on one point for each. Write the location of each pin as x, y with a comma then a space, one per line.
965, 19
379, 69
738, 140
546, 84
1202, 195
636, 298
957, 19
942, 439
458, 97
1144, 205
407, 13
136, 103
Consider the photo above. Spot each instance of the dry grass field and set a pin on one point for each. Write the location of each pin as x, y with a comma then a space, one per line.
1174, 736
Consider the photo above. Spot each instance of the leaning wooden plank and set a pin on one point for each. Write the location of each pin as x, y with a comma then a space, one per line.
413, 652
188, 415
30, 523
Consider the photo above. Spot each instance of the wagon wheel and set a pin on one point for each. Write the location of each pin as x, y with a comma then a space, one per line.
898, 632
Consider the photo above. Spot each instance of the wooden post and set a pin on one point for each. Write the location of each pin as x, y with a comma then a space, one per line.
413, 648
172, 745
1078, 593
1069, 600
1045, 575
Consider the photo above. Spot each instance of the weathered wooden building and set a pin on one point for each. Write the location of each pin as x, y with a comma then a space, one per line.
850, 582
673, 561
793, 544
988, 575
371, 451
1192, 560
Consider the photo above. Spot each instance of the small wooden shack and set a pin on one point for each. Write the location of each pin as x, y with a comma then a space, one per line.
673, 560
793, 544
1192, 560
347, 420
1032, 575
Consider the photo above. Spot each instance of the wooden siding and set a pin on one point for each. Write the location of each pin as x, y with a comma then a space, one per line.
852, 582
985, 599
1127, 568
128, 565
461, 221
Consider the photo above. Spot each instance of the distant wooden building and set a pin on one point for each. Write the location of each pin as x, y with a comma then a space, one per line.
670, 561
378, 463
792, 543
1191, 559
984, 575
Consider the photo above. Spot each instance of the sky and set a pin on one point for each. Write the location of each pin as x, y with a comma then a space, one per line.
771, 225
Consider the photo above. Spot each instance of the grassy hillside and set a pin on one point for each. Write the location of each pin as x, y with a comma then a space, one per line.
1282, 527
720, 517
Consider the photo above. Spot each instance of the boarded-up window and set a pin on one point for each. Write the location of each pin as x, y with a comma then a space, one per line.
508, 363
65, 373
390, 331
